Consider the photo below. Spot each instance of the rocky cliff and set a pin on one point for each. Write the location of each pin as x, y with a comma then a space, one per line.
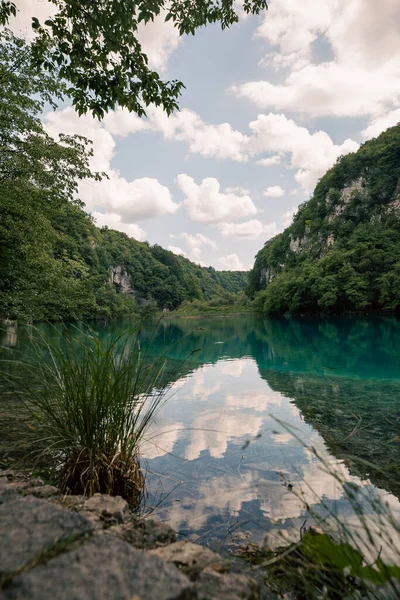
342, 251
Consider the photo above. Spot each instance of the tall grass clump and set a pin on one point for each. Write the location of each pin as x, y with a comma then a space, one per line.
90, 402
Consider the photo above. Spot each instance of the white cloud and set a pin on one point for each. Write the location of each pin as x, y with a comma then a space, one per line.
294, 26
195, 242
258, 400
67, 121
160, 438
275, 191
234, 367
362, 78
207, 204
231, 262
379, 124
135, 200
217, 141
121, 122
177, 250
249, 230
26, 9
113, 221
311, 153
205, 436
124, 202
159, 39
268, 162
212, 141
288, 217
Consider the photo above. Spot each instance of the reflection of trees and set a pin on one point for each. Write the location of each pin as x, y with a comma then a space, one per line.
346, 346
336, 346
358, 419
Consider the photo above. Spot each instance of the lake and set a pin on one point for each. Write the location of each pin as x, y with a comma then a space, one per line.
232, 456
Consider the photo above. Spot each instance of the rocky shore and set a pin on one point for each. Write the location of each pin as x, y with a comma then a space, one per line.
73, 548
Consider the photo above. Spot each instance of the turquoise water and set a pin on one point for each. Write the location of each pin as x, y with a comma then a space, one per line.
230, 457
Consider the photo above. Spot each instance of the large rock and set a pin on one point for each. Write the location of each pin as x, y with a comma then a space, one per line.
112, 509
104, 568
192, 559
28, 526
145, 534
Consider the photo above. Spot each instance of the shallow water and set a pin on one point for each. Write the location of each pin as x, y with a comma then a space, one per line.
232, 454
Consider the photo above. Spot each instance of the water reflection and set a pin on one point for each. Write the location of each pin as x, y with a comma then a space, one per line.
232, 458
219, 457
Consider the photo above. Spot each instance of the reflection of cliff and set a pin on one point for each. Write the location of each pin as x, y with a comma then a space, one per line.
358, 419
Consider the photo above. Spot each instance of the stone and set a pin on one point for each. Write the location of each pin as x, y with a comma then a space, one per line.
9, 474
113, 509
35, 481
30, 525
75, 501
226, 586
145, 534
95, 519
191, 559
103, 568
42, 491
17, 486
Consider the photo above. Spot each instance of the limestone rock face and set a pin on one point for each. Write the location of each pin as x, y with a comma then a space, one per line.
355, 186
121, 280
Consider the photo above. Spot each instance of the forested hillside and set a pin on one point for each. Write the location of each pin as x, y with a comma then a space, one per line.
54, 263
342, 252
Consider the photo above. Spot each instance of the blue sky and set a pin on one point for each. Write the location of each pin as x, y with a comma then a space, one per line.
269, 106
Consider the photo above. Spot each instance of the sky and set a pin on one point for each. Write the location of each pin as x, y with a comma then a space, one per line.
269, 106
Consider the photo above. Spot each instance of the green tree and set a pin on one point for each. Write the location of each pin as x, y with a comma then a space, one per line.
94, 46
37, 177
342, 252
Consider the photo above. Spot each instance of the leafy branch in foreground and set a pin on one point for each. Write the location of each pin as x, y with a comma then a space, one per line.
91, 401
95, 47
